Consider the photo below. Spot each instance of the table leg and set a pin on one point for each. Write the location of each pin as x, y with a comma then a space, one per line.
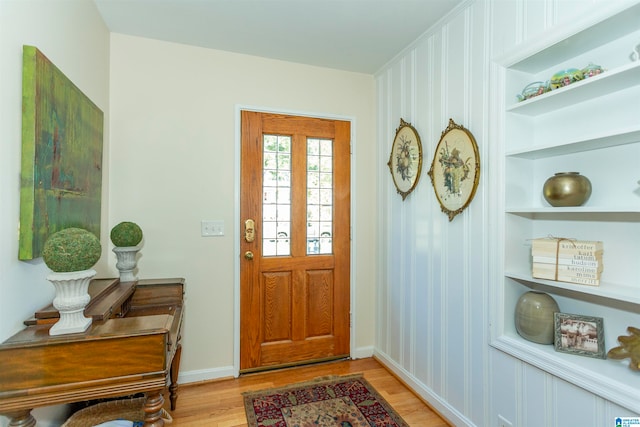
21, 418
173, 387
153, 409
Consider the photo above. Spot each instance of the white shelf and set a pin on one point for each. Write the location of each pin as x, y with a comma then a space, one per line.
595, 142
610, 379
585, 35
615, 292
609, 82
530, 211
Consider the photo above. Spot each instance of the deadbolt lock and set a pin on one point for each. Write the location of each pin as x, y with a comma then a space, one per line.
249, 231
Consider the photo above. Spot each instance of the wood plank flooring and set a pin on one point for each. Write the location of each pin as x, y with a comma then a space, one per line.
219, 403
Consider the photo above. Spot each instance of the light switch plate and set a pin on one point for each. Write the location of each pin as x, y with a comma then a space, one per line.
212, 228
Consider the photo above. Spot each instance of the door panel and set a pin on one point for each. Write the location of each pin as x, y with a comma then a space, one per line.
277, 306
294, 288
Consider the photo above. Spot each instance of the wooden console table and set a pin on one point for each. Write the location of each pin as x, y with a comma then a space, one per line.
132, 346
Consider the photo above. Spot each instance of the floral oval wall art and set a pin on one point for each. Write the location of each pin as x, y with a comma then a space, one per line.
405, 161
455, 170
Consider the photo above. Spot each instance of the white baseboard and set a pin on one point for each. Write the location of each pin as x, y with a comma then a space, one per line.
362, 352
205, 375
228, 371
434, 400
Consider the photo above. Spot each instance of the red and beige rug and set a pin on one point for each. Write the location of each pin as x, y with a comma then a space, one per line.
338, 401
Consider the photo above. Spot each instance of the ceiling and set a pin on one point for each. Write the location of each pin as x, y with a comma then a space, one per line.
351, 35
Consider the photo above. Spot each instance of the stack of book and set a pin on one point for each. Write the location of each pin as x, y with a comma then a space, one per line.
567, 260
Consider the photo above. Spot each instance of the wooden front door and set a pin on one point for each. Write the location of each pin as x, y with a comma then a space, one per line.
295, 240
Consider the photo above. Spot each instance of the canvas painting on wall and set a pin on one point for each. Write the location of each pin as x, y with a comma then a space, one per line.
61, 170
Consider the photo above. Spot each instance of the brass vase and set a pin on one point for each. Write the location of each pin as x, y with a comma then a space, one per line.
567, 189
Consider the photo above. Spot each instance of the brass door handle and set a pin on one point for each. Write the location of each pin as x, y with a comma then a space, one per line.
248, 255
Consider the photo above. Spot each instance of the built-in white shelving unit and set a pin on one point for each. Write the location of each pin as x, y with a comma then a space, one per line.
592, 127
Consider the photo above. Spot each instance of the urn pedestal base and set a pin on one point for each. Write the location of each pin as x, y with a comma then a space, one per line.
72, 297
127, 262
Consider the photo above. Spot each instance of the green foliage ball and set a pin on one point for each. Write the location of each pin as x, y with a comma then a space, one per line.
71, 249
126, 234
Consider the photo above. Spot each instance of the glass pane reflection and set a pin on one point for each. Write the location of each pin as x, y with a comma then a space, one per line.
319, 196
276, 199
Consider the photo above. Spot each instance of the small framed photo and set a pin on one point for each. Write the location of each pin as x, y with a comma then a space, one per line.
582, 335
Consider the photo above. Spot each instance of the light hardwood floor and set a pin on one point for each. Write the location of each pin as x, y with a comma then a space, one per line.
219, 403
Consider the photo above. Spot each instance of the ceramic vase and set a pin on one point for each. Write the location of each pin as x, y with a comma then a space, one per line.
534, 317
71, 298
567, 189
127, 262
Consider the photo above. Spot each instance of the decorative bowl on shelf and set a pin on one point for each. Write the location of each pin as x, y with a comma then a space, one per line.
533, 89
566, 77
567, 189
592, 70
534, 317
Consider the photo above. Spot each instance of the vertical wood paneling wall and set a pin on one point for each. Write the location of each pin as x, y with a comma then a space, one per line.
432, 290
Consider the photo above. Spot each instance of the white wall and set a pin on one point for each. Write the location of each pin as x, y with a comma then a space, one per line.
432, 314
73, 36
173, 146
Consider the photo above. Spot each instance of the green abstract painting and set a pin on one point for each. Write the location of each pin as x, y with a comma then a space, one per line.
61, 170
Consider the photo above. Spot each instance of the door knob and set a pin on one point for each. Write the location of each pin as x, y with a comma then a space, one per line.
248, 255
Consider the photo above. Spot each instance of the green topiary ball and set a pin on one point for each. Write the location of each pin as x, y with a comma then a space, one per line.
126, 234
71, 249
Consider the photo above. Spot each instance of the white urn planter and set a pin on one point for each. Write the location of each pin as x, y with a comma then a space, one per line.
127, 262
71, 298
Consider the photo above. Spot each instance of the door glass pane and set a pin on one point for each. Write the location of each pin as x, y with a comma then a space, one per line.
319, 196
276, 195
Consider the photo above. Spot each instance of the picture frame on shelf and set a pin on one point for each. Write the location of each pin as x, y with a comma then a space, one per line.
405, 160
455, 170
581, 335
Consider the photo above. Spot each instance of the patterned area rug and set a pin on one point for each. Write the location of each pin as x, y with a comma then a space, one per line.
337, 401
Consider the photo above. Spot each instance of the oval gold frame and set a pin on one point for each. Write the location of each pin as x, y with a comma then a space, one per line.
405, 160
455, 170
